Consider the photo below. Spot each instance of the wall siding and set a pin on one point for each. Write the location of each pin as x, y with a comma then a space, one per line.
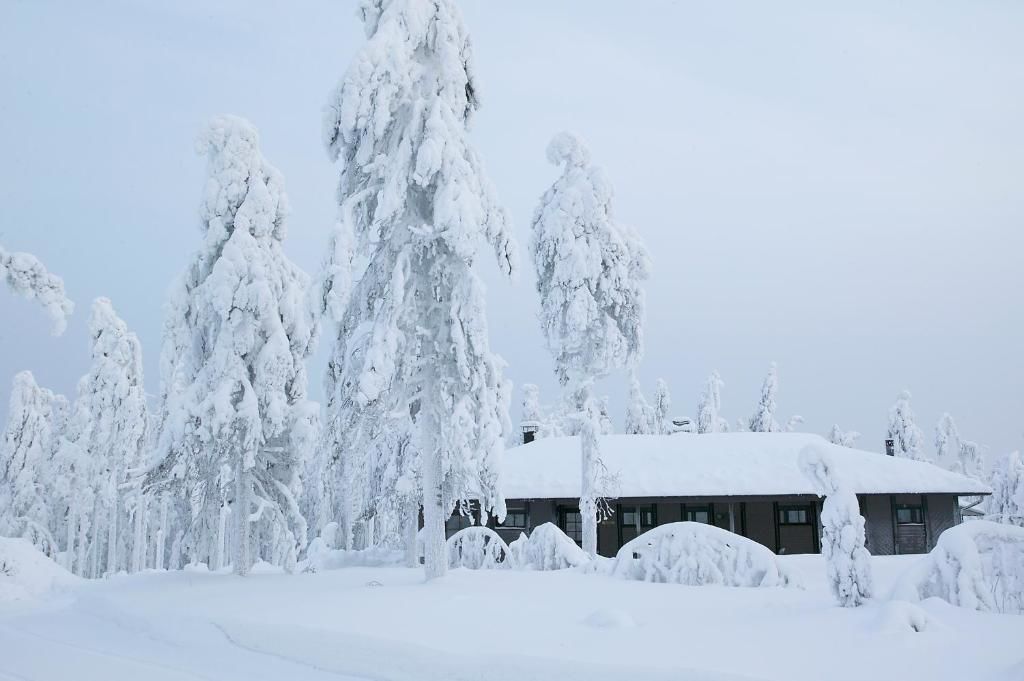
943, 510
879, 528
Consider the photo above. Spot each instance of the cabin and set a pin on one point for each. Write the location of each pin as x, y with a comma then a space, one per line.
747, 483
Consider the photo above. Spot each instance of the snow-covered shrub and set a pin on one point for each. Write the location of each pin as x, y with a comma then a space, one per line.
696, 554
25, 572
320, 557
847, 561
546, 548
977, 565
478, 548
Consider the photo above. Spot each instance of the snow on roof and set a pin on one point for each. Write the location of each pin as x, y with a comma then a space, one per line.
719, 464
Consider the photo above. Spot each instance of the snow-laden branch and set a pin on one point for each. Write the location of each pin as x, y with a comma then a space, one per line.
28, 277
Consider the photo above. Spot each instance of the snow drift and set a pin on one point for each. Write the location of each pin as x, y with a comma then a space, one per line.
546, 548
26, 573
977, 565
696, 554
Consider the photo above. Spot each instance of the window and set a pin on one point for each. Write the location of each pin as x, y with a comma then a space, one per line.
457, 522
635, 520
515, 518
572, 524
698, 514
794, 515
909, 514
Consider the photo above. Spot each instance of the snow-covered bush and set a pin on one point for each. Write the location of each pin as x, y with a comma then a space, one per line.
696, 554
546, 548
977, 565
319, 557
28, 277
847, 561
478, 548
25, 572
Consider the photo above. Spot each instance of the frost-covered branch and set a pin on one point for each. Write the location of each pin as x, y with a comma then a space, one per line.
28, 277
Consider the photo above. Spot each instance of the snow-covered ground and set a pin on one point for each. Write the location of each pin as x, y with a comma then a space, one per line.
387, 624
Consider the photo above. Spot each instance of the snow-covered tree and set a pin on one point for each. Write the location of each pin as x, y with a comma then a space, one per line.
26, 463
237, 333
843, 438
907, 438
763, 420
414, 193
971, 463
589, 273
947, 443
709, 418
793, 423
106, 437
640, 416
662, 408
28, 277
1006, 505
604, 416
847, 561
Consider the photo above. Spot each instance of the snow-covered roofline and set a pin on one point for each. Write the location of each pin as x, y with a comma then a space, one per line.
720, 464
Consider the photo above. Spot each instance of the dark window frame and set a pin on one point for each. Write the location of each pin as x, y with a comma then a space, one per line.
708, 508
563, 523
513, 512
641, 510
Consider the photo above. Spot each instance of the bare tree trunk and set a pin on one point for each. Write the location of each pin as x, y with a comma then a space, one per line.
589, 458
435, 555
412, 528
242, 558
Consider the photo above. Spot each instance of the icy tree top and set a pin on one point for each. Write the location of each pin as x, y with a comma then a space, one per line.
589, 270
28, 277
397, 122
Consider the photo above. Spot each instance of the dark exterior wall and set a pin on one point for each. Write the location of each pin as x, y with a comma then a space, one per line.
878, 524
943, 512
761, 523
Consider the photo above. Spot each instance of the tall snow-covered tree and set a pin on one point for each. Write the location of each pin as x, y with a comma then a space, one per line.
971, 463
662, 408
907, 438
108, 433
1006, 505
415, 194
763, 420
26, 463
238, 330
589, 274
640, 416
709, 418
847, 561
28, 277
947, 443
843, 438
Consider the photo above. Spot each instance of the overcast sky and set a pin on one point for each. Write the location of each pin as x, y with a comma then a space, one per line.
840, 191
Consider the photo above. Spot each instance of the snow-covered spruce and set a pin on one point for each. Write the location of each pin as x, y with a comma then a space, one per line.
696, 554
843, 438
413, 341
662, 408
709, 419
28, 277
847, 561
235, 421
589, 274
1006, 505
640, 416
977, 565
547, 548
793, 423
763, 420
479, 548
27, 477
947, 443
103, 445
908, 440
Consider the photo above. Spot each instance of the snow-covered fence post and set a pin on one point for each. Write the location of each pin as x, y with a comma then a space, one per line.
847, 561
589, 273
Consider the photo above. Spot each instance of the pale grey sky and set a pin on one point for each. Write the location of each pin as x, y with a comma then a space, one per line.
837, 189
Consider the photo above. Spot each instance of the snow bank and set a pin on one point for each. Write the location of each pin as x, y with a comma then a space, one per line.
546, 548
26, 573
716, 464
696, 554
977, 565
320, 557
478, 548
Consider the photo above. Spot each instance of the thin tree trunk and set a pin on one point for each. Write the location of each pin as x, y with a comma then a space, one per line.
222, 528
412, 528
112, 557
435, 558
72, 531
241, 518
589, 456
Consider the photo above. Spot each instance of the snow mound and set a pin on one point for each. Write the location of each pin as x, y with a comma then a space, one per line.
546, 548
319, 557
977, 565
696, 554
26, 573
609, 618
899, 617
478, 548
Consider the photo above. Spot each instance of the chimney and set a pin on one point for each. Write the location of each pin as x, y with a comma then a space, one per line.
890, 447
